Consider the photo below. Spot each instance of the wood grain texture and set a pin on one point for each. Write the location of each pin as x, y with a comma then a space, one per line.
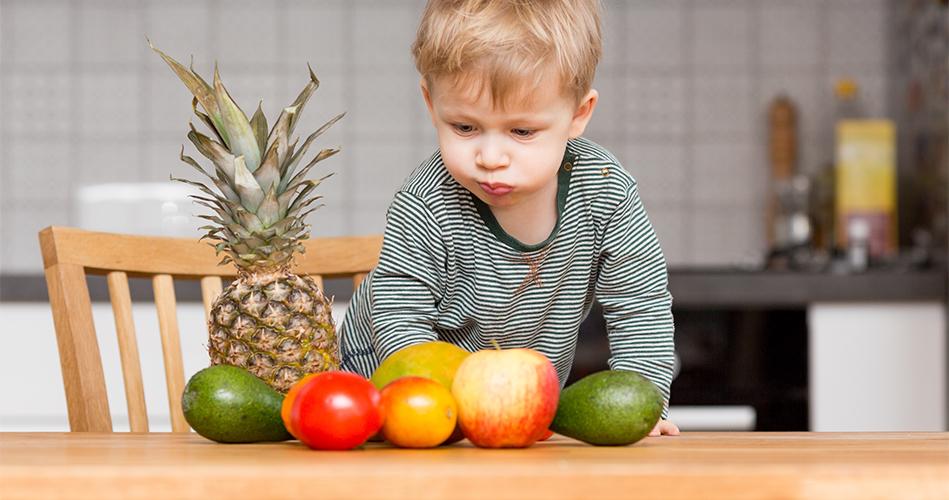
121, 299
691, 466
187, 258
164, 288
86, 399
69, 255
211, 288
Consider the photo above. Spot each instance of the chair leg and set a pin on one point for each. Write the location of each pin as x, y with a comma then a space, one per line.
86, 398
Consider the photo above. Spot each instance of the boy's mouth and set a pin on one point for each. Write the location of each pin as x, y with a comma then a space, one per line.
496, 189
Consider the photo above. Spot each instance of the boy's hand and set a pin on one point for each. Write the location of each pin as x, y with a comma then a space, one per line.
664, 427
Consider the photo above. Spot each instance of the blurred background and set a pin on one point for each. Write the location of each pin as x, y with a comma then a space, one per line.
725, 111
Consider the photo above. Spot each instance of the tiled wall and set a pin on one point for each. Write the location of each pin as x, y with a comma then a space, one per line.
684, 89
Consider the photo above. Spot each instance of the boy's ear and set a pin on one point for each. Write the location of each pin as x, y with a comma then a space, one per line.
583, 114
428, 99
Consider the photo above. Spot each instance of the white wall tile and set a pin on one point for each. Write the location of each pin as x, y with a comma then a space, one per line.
424, 150
105, 160
369, 218
317, 34
245, 33
37, 104
166, 102
384, 107
329, 221
382, 35
110, 35
725, 174
726, 237
613, 31
337, 189
660, 171
724, 104
654, 34
6, 184
109, 105
721, 35
39, 170
857, 35
20, 252
328, 101
608, 115
177, 29
815, 153
790, 35
655, 106
670, 225
159, 158
378, 168
41, 33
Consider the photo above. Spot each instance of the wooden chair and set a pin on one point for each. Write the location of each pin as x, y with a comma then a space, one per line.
69, 255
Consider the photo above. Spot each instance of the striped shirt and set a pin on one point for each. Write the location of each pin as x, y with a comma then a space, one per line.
449, 272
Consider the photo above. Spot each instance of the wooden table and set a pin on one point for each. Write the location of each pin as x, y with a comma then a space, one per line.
691, 466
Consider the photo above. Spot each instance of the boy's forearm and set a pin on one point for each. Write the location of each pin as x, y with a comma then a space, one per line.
402, 314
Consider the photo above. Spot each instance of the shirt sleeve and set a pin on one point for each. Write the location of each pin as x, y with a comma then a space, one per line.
408, 279
633, 289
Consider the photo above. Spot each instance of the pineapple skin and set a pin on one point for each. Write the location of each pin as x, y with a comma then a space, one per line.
276, 325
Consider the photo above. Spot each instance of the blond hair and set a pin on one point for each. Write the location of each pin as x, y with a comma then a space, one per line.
509, 43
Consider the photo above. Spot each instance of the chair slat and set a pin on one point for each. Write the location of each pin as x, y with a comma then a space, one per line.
358, 278
211, 288
128, 350
318, 279
165, 302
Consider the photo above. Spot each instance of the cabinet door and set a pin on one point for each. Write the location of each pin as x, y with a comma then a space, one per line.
877, 367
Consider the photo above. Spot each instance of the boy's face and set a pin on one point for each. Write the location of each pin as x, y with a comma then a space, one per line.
510, 157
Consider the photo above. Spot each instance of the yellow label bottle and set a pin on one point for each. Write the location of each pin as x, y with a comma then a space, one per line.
866, 183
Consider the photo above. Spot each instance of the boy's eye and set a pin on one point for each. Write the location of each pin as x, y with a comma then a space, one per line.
522, 132
464, 129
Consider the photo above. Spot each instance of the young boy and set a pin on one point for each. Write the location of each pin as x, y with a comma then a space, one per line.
513, 226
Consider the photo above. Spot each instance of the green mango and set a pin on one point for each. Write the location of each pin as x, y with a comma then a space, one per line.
228, 404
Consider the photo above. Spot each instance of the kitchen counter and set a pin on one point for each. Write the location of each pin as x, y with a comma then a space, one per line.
781, 289
713, 287
691, 466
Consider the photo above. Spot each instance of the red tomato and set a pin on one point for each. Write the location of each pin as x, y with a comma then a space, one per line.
336, 411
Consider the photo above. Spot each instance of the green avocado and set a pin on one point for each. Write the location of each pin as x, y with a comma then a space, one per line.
228, 404
608, 408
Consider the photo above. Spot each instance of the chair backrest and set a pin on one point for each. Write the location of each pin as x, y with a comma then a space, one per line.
71, 254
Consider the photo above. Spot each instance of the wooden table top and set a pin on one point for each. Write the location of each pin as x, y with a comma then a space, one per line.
693, 465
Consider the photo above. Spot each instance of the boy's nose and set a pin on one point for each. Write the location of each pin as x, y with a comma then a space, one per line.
491, 154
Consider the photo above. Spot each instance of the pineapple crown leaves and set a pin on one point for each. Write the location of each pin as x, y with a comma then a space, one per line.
258, 221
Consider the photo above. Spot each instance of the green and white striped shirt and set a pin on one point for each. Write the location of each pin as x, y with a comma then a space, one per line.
449, 272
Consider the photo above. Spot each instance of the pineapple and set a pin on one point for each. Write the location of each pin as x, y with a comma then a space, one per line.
269, 321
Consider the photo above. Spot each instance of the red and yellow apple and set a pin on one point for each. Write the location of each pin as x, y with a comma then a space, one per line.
506, 397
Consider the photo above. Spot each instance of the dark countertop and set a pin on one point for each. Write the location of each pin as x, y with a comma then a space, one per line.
700, 288
717, 288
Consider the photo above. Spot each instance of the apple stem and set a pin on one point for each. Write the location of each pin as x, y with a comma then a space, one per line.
496, 345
